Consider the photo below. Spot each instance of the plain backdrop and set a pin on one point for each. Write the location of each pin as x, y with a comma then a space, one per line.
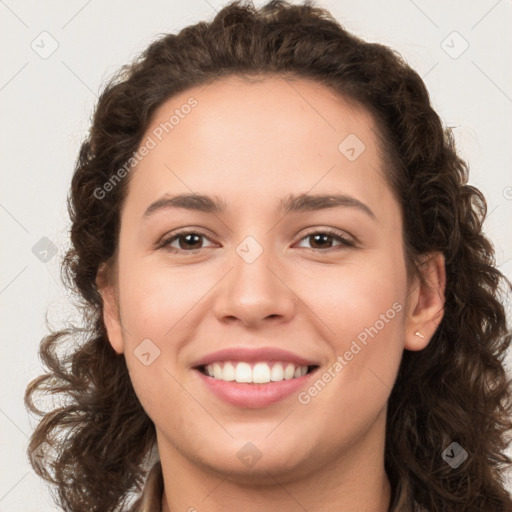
57, 55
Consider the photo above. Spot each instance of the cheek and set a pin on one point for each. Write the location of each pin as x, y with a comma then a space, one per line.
154, 301
362, 307
154, 310
154, 298
352, 298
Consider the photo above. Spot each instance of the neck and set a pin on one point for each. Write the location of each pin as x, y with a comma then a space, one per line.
379, 502
356, 480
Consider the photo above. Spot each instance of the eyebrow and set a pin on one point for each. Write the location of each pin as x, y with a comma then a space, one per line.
290, 204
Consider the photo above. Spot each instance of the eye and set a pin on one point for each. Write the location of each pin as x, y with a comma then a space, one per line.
326, 237
190, 241
187, 241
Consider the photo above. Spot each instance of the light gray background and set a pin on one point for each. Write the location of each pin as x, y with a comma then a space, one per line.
46, 105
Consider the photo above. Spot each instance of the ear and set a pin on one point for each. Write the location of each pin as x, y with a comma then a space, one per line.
111, 317
426, 303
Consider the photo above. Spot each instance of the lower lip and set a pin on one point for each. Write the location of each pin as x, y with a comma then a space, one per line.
253, 395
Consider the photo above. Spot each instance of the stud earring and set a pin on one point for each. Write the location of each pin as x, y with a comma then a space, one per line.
418, 333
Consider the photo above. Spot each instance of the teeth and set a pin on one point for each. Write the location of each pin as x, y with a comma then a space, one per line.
277, 372
289, 371
258, 373
261, 373
228, 372
243, 372
217, 371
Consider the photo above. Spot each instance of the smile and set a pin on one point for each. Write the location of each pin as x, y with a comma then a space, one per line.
261, 372
247, 392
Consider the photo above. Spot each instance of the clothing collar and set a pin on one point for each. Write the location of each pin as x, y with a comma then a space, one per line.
152, 494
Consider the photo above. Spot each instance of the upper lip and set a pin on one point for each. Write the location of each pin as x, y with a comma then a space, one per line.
253, 355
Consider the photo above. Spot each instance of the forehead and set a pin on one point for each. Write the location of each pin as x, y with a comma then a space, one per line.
258, 109
260, 136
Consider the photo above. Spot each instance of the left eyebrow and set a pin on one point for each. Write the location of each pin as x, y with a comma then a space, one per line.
309, 202
290, 204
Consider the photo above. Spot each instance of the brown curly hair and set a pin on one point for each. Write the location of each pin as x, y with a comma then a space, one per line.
97, 440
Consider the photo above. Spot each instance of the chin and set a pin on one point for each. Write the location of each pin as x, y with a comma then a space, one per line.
259, 463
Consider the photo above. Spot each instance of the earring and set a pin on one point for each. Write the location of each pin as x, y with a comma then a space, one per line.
418, 333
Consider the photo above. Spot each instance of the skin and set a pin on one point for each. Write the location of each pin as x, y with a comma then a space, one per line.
252, 144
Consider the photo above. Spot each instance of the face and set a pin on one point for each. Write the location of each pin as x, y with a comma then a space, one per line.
274, 277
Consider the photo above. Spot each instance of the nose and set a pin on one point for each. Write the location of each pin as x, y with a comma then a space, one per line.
255, 290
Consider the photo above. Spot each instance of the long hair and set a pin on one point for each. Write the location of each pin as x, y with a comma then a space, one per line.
94, 444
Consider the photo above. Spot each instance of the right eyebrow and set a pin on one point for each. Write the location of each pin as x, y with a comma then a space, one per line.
198, 202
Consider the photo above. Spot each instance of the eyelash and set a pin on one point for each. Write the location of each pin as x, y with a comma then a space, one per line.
165, 243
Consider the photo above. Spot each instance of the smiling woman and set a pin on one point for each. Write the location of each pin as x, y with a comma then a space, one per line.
289, 300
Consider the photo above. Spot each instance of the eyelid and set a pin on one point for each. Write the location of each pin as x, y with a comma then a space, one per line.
348, 242
164, 242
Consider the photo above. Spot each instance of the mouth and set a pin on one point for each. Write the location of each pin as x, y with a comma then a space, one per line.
254, 385
253, 377
257, 372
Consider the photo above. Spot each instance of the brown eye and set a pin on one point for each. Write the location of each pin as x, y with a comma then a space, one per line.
186, 241
324, 240
190, 241
319, 241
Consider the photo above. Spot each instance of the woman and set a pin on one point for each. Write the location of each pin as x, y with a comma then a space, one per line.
289, 300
